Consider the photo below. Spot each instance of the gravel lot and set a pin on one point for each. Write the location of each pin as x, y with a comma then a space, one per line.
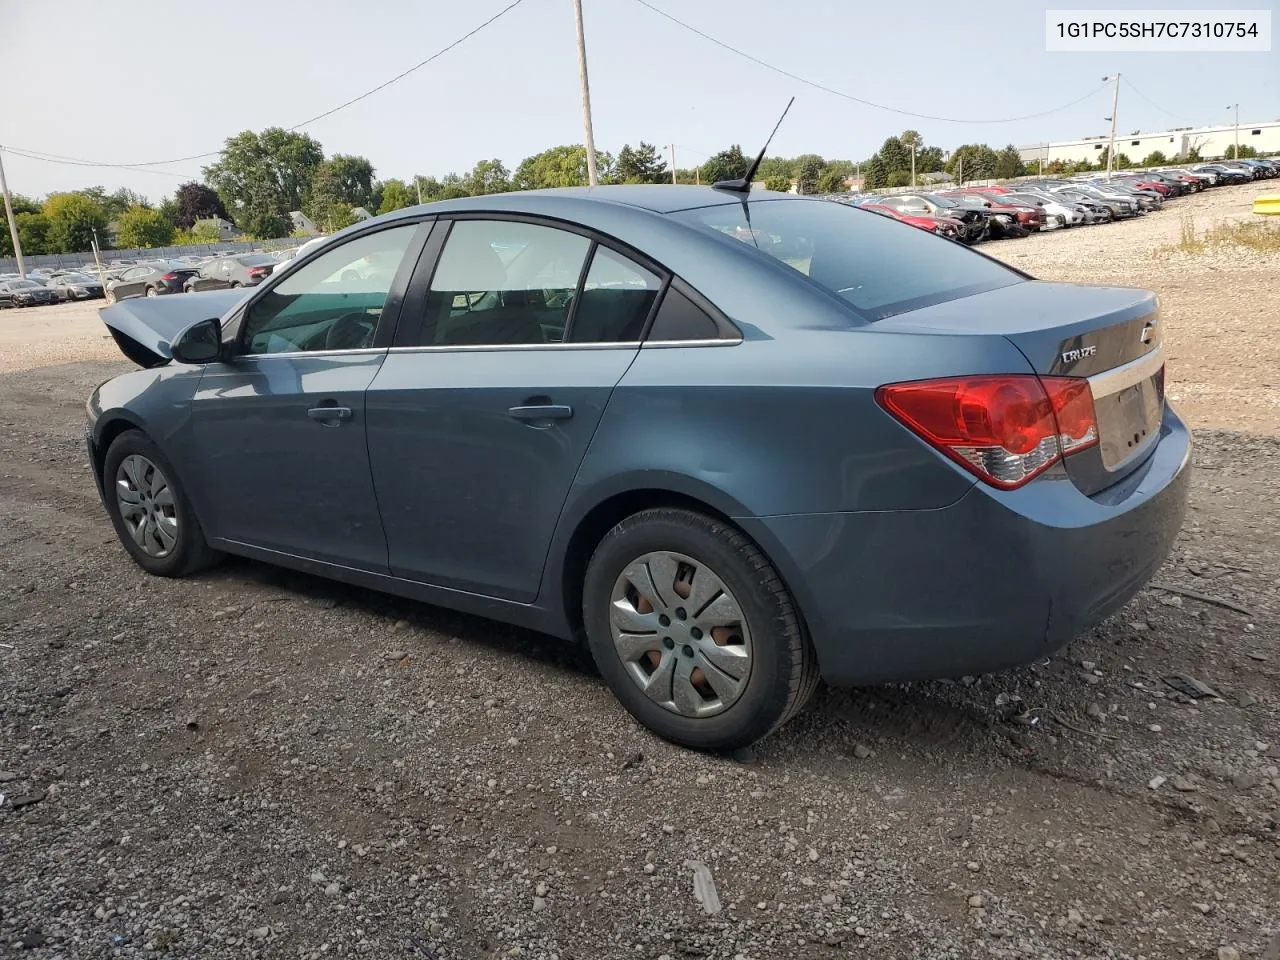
255, 763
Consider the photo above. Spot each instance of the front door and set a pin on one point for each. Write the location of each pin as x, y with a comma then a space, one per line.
478, 425
279, 428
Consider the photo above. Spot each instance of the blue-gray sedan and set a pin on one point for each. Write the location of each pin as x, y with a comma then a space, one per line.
733, 443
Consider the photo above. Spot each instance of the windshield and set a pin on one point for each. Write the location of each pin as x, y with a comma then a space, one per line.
878, 266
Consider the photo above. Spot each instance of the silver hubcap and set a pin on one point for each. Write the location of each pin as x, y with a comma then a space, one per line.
146, 505
680, 634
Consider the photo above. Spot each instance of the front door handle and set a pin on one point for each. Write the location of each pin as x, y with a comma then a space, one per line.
329, 413
541, 411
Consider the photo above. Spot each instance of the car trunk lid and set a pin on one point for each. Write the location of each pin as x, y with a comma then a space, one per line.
143, 327
1109, 335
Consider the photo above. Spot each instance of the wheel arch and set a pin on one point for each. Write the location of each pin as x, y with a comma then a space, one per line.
578, 538
109, 426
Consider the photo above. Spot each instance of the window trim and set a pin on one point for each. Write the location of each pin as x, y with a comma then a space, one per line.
413, 309
388, 321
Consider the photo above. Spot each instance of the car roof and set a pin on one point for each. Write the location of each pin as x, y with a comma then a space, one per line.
656, 198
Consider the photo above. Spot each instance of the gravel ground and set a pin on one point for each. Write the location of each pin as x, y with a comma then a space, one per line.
255, 763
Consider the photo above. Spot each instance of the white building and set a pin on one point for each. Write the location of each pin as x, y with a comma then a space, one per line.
1211, 142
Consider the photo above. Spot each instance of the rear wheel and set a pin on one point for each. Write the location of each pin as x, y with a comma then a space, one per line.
152, 292
694, 631
150, 512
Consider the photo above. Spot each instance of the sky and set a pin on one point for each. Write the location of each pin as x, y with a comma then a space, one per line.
132, 81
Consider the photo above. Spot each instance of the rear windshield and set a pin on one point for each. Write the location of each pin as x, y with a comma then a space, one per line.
879, 266
256, 259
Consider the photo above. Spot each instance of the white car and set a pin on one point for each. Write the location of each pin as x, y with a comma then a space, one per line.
302, 250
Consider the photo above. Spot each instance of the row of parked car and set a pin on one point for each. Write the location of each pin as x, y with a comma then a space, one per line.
121, 279
976, 214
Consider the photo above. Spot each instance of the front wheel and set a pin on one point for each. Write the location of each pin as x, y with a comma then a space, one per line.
694, 631
150, 512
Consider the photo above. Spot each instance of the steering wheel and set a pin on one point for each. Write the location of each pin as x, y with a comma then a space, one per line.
351, 331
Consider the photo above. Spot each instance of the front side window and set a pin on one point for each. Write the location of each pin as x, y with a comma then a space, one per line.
503, 282
879, 267
332, 303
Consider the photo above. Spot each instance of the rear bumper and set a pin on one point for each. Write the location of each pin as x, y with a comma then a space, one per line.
995, 580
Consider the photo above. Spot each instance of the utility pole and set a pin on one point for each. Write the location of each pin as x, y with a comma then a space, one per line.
417, 182
913, 164
13, 221
1115, 106
97, 258
673, 163
1236, 155
592, 179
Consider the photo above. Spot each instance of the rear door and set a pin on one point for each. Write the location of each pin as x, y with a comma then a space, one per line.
279, 427
507, 353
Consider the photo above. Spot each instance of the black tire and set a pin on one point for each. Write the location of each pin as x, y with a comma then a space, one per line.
191, 552
152, 292
784, 668
236, 284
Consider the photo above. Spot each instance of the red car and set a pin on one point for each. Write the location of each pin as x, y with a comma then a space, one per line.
1030, 217
1161, 188
943, 226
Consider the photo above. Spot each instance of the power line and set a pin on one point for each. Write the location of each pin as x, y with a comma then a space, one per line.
848, 96
72, 162
1129, 84
55, 158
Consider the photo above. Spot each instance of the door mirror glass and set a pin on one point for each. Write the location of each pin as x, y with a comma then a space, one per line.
199, 343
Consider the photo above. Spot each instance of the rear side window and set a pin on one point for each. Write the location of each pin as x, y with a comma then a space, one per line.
502, 282
679, 318
615, 300
879, 266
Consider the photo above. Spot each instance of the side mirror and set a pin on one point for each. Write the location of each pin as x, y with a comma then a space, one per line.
199, 343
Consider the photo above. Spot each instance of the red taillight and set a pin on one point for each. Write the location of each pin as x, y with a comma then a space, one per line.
170, 276
257, 271
1004, 429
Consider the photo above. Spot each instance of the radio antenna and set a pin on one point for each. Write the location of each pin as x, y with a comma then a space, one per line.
744, 185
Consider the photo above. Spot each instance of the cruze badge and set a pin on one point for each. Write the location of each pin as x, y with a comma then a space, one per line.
1071, 356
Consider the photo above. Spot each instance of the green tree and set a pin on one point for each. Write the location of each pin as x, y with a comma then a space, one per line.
1154, 159
776, 167
831, 180
929, 160
73, 218
141, 226
1123, 162
641, 164
1246, 152
973, 161
874, 174
894, 155
487, 176
23, 204
563, 166
169, 209
728, 164
778, 182
33, 232
808, 176
263, 176
338, 185
396, 195
899, 178
351, 177
1009, 163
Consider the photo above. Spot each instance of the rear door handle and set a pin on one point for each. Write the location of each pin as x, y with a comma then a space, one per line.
541, 411
329, 413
